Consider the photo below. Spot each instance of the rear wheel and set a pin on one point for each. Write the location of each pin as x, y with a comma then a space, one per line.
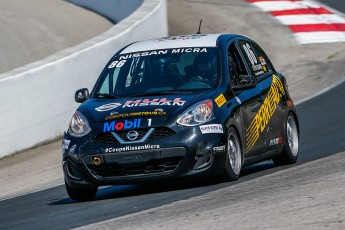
233, 162
81, 194
289, 154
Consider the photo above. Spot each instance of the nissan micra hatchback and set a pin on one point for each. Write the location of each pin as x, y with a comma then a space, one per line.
181, 106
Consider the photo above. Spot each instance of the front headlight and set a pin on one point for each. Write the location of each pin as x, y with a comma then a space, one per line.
199, 113
79, 125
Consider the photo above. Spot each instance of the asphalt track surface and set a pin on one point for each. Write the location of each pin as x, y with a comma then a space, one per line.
322, 123
335, 4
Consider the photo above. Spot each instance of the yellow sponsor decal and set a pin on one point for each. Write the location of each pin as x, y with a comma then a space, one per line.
266, 111
220, 100
135, 114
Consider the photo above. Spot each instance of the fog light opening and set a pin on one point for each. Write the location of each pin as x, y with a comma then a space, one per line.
72, 172
209, 157
205, 160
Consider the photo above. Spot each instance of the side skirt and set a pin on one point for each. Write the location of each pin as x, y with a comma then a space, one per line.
261, 157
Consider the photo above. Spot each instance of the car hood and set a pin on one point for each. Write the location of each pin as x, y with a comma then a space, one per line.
163, 107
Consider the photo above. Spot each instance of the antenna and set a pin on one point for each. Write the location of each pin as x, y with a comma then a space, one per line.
199, 27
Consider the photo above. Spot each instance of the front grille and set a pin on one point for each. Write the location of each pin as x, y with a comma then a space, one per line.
141, 133
158, 133
149, 167
106, 138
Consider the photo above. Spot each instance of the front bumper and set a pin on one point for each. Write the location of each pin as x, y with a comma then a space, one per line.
185, 154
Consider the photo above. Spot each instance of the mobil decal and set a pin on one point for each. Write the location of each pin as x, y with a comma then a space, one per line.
154, 102
121, 125
266, 111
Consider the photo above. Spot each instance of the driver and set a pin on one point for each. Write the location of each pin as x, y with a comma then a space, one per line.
204, 72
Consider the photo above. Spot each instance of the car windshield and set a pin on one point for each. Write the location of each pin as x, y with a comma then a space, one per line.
159, 71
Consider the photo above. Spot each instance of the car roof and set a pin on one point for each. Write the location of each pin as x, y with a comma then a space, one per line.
180, 41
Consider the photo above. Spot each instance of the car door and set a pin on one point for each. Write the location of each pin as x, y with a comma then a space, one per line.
270, 117
250, 100
274, 93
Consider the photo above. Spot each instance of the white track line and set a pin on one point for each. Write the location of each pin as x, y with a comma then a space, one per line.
310, 19
319, 37
284, 5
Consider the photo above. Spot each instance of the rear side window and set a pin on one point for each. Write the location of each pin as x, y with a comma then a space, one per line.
256, 60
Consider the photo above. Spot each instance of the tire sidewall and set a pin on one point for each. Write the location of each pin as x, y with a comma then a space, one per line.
229, 172
286, 148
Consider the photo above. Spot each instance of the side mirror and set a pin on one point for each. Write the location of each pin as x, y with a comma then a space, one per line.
245, 82
81, 95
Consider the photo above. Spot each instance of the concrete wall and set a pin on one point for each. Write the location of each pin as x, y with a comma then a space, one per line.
114, 10
37, 101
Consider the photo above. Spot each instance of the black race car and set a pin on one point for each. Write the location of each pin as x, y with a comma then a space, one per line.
176, 107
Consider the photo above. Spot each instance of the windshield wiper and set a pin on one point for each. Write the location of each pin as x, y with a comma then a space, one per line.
106, 95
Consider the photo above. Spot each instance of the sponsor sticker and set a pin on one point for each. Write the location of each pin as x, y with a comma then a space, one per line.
257, 67
107, 107
124, 57
238, 100
131, 148
265, 113
262, 60
219, 149
65, 143
154, 102
181, 37
212, 128
144, 102
276, 141
120, 125
116, 115
220, 100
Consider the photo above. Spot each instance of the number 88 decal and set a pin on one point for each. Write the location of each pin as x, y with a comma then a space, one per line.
116, 64
250, 54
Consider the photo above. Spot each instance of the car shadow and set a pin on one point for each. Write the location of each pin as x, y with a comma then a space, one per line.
120, 191
252, 169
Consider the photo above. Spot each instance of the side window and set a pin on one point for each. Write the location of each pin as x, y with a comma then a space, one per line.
255, 59
236, 65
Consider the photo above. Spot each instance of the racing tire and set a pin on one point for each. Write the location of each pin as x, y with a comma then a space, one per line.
234, 157
290, 150
81, 194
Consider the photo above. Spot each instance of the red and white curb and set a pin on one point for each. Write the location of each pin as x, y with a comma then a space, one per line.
310, 22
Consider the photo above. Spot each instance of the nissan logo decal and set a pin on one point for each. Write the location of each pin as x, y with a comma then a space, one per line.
132, 135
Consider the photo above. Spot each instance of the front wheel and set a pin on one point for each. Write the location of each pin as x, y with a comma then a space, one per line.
233, 162
289, 154
81, 194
